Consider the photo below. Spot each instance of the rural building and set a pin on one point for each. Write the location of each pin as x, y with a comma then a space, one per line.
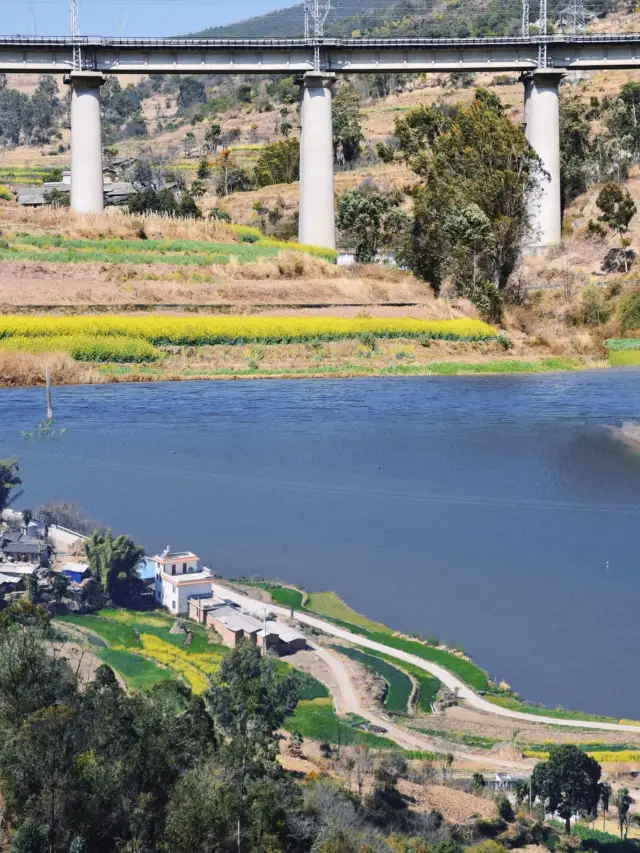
76, 572
18, 547
201, 606
281, 638
178, 577
234, 626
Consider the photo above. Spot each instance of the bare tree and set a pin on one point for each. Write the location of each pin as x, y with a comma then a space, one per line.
363, 765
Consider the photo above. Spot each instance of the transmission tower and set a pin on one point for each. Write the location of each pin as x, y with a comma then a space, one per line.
542, 33
574, 17
75, 34
315, 14
525, 17
32, 27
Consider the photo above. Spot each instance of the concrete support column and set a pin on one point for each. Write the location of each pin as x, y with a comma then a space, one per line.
542, 129
87, 194
317, 224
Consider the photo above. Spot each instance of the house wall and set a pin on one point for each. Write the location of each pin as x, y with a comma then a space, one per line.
185, 566
175, 597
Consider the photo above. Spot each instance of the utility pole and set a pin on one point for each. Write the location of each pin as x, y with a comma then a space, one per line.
525, 18
75, 34
542, 34
48, 384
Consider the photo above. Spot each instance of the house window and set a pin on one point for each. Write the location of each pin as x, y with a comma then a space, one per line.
173, 568
184, 568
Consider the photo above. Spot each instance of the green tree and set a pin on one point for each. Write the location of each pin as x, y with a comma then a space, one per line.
630, 311
115, 563
59, 586
478, 783
623, 120
347, 123
568, 783
606, 792
623, 804
191, 91
211, 137
248, 703
278, 163
618, 209
201, 813
371, 222
9, 480
470, 243
33, 589
472, 155
204, 169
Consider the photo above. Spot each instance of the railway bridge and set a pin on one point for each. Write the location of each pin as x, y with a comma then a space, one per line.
541, 62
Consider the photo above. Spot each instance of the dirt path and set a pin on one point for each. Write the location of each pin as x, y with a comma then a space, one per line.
447, 678
349, 700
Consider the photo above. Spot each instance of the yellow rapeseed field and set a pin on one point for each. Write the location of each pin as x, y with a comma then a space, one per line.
187, 331
626, 756
176, 659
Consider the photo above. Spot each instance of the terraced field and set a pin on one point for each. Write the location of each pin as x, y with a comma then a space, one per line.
399, 685
141, 647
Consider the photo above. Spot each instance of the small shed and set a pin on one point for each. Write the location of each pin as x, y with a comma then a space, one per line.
76, 572
200, 606
281, 638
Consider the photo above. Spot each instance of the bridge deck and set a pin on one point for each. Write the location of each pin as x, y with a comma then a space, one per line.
233, 56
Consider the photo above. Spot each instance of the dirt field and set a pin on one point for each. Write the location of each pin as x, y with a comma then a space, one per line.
82, 661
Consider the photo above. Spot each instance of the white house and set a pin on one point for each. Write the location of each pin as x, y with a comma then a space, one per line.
178, 577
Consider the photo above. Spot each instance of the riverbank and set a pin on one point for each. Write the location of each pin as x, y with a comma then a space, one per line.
339, 360
436, 657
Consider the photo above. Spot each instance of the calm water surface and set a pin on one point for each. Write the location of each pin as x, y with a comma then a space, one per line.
484, 510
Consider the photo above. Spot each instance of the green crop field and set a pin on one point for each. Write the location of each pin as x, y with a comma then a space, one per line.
330, 605
139, 673
317, 720
398, 682
247, 247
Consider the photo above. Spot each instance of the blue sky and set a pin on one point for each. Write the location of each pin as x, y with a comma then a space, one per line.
132, 17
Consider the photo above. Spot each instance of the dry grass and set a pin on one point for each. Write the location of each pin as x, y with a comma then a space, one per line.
25, 368
114, 222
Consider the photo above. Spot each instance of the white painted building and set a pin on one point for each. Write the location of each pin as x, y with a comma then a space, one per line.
178, 577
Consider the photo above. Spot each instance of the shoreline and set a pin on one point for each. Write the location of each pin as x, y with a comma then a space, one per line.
629, 440
402, 647
93, 373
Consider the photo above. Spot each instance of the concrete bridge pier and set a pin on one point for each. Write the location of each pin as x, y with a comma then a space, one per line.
86, 141
317, 224
542, 129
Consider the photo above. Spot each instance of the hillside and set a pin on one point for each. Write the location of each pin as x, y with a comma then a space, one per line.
381, 17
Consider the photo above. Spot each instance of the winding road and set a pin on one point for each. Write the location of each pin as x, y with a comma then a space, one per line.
450, 680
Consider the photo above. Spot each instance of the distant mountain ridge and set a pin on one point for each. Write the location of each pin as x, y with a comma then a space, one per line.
451, 18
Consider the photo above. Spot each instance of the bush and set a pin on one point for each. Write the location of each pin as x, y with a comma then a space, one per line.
593, 309
6, 194
505, 809
630, 311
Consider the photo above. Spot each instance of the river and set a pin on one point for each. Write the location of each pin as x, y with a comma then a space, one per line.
497, 513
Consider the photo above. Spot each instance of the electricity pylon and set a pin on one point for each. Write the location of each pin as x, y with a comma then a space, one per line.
75, 34
315, 14
542, 32
32, 27
525, 17
574, 17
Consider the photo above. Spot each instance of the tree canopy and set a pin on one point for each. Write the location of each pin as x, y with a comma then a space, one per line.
9, 480
568, 783
471, 217
115, 562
